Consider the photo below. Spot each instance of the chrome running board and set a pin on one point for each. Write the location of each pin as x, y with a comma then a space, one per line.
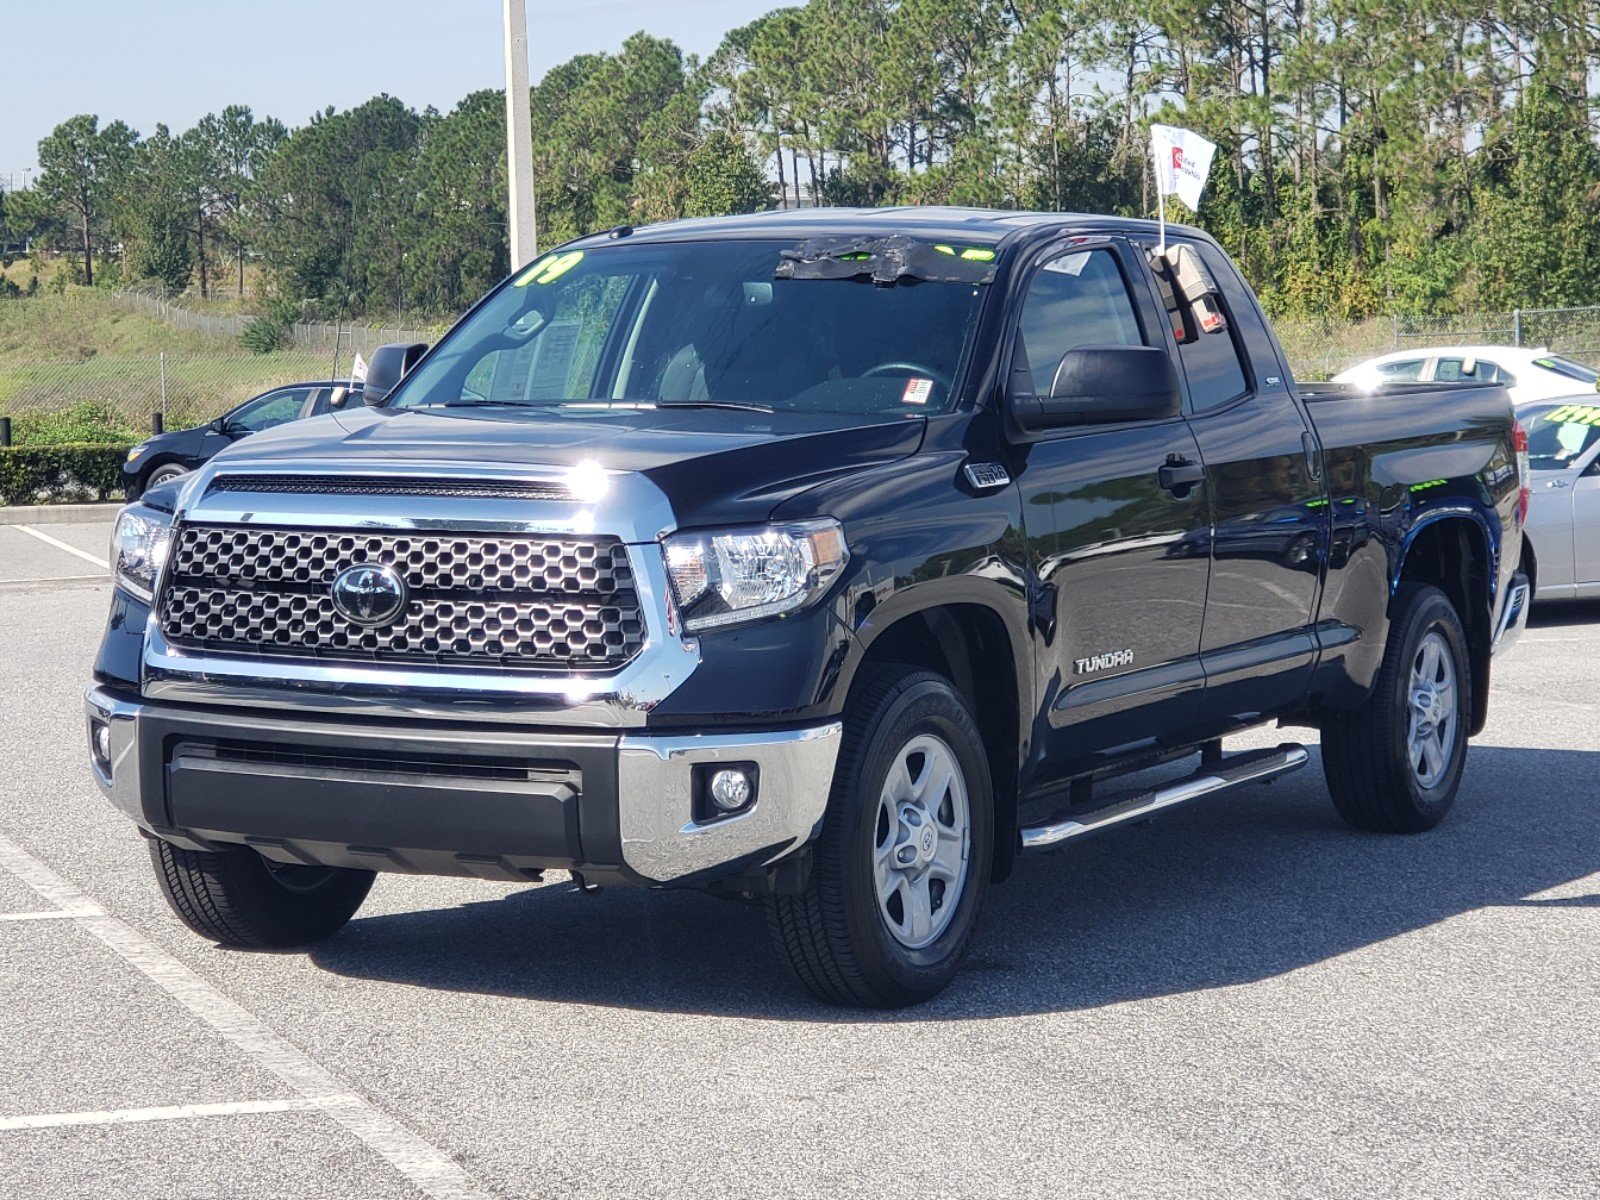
1251, 767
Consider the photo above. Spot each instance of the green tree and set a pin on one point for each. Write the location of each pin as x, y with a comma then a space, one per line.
81, 167
722, 179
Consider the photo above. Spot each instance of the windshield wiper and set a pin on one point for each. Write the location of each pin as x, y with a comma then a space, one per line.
736, 405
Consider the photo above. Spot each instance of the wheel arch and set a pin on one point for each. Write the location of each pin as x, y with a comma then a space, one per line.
1452, 552
968, 642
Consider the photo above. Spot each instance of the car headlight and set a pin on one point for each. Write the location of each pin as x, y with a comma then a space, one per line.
739, 575
136, 451
139, 548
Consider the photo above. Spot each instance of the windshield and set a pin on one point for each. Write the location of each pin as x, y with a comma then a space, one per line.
641, 327
1565, 366
1559, 435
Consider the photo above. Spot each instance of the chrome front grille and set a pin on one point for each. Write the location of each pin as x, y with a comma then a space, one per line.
531, 601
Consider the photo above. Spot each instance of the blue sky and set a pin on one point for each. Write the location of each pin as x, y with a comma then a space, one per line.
176, 60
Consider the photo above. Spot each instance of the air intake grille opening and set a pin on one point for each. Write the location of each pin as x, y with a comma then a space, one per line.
521, 601
355, 485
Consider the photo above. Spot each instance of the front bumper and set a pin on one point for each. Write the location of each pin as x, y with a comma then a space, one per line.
1513, 613
487, 801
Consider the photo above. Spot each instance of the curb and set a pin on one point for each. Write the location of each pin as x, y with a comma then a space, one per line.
58, 514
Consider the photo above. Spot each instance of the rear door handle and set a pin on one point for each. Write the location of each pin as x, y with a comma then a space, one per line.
1178, 474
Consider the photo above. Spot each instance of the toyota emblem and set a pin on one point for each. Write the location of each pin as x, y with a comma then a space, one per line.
369, 594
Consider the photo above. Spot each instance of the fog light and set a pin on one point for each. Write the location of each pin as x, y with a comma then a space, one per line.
730, 790
100, 744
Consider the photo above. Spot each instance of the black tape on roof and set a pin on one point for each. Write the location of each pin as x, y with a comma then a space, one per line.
886, 259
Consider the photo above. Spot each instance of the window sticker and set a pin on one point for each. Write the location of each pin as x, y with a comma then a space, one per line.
1575, 414
917, 390
550, 268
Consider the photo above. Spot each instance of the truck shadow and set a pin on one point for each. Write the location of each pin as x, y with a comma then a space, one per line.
1567, 612
1247, 888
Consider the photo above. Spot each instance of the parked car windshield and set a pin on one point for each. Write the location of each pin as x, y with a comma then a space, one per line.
1565, 366
640, 327
1560, 434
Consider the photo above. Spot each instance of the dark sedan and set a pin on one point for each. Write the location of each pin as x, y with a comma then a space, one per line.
176, 452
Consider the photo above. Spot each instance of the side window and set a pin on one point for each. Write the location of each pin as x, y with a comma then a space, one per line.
322, 404
1465, 370
275, 408
1407, 370
1213, 367
1077, 299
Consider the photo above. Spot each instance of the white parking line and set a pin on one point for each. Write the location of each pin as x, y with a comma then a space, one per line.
60, 545
425, 1165
53, 914
176, 1112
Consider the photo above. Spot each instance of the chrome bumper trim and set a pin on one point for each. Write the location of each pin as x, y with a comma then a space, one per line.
121, 786
660, 840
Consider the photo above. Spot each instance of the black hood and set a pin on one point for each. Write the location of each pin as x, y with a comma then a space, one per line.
715, 466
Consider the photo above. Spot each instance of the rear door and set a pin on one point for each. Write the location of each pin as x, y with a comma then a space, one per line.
1268, 510
1120, 561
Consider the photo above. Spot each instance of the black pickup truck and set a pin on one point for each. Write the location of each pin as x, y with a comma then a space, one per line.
827, 560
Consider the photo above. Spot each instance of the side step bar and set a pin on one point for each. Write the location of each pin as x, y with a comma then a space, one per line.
1252, 767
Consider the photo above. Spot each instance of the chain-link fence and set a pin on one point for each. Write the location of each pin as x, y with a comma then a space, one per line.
349, 337
1574, 332
105, 397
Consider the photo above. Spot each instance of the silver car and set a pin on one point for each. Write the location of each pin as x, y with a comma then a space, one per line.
1564, 520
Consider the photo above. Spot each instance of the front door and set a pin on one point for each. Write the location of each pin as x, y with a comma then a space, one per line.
1120, 561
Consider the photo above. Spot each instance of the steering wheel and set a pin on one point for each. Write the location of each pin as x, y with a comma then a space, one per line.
900, 367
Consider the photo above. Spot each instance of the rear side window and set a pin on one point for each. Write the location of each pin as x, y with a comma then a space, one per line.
1076, 299
1212, 365
1465, 370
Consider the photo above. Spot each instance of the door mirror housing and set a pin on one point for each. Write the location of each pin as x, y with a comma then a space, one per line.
389, 365
1101, 385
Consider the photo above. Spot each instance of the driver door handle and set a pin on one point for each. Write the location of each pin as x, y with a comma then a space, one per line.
1178, 474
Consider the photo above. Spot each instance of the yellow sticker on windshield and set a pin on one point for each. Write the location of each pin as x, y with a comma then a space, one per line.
1574, 414
550, 269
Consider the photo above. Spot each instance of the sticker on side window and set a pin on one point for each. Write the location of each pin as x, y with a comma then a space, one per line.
1574, 414
917, 390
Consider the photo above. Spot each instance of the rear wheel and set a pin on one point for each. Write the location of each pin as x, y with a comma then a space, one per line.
1395, 764
238, 898
899, 873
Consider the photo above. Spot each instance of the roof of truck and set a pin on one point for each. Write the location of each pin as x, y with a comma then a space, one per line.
931, 221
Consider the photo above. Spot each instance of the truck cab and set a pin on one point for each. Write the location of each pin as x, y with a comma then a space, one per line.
821, 560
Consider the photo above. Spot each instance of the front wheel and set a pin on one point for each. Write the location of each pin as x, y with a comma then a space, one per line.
238, 898
1394, 765
163, 474
899, 873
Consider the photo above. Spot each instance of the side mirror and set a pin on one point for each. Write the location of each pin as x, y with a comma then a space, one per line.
218, 425
1098, 385
389, 366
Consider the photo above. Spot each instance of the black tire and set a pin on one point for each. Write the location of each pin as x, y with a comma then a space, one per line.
1366, 753
161, 474
237, 898
834, 936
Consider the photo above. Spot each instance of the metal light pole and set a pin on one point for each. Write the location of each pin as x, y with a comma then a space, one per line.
519, 138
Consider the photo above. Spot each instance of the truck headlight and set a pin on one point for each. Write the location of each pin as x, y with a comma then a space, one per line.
739, 575
139, 548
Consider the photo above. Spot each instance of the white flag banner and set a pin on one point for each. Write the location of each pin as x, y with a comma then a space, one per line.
1183, 161
358, 370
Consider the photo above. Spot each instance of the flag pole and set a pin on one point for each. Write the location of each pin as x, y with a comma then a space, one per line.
1161, 198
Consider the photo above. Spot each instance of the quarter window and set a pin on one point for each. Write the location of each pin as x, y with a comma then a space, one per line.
1076, 299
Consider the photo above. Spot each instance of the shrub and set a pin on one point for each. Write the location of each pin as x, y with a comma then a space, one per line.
40, 474
87, 422
270, 330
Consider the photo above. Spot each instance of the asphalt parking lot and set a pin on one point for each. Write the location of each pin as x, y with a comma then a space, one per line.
1239, 999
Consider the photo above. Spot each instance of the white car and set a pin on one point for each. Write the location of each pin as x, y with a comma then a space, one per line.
1564, 515
1528, 374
